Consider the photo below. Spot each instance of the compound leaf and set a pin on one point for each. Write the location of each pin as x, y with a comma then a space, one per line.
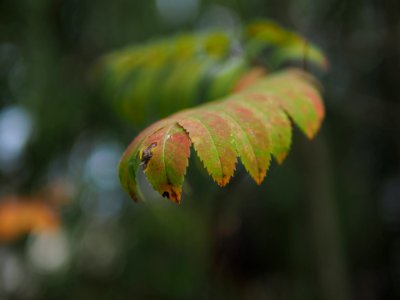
252, 124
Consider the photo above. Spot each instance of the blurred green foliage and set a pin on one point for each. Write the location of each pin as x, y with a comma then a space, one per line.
152, 80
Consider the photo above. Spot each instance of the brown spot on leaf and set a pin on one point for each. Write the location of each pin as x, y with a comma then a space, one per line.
165, 194
147, 155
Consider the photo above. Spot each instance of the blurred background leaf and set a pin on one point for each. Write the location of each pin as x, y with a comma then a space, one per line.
150, 81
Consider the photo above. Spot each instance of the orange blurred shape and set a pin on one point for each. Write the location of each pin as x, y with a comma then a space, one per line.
20, 216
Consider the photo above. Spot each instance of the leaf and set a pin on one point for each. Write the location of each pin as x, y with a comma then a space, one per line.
211, 136
251, 124
251, 137
164, 159
131, 160
276, 122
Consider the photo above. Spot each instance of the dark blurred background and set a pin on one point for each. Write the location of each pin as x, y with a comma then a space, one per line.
324, 225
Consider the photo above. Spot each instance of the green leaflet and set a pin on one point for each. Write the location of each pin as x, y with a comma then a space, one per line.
253, 141
131, 160
252, 124
211, 136
276, 123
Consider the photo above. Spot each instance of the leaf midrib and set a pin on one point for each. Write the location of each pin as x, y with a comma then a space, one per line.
165, 138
